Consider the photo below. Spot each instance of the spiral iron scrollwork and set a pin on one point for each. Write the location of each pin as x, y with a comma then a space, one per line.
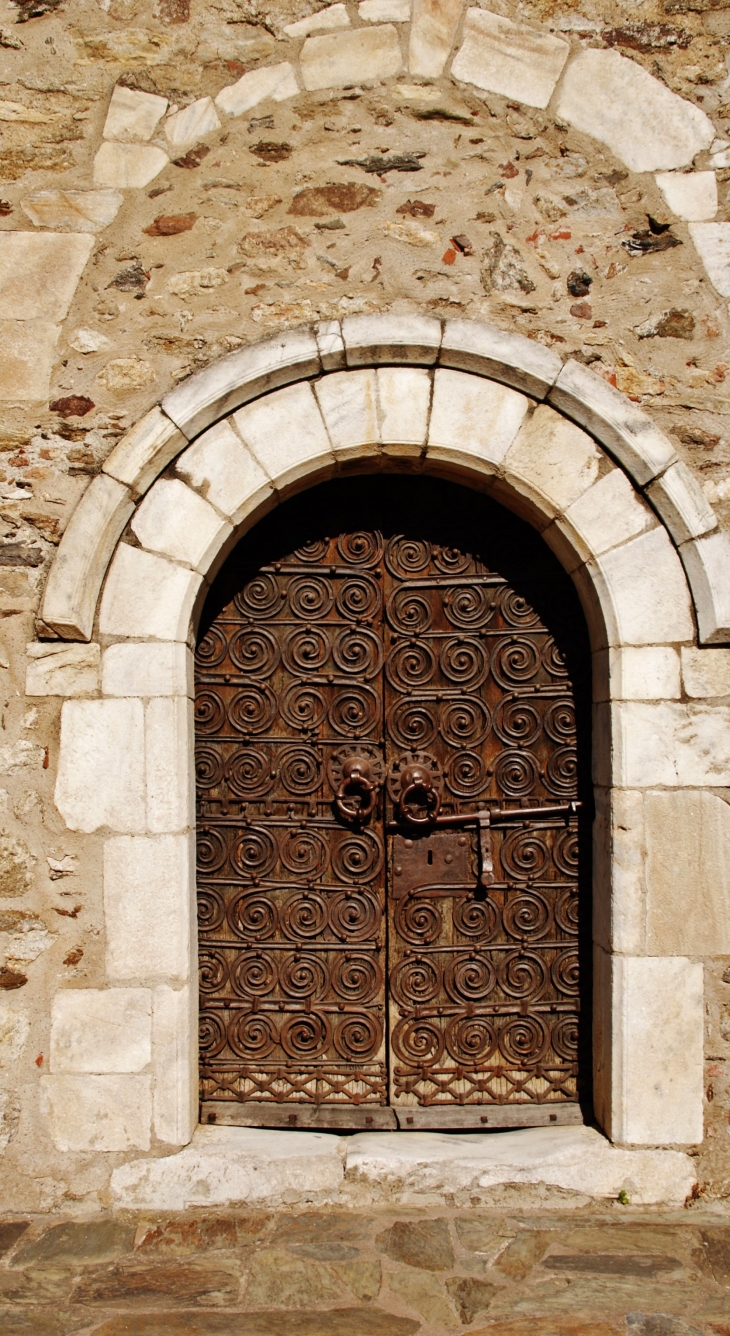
373, 714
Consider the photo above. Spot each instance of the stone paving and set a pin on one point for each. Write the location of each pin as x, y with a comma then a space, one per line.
602, 1271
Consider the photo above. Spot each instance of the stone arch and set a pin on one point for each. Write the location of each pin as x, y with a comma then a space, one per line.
343, 423
500, 413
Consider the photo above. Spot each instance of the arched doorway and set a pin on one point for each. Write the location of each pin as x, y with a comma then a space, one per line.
393, 784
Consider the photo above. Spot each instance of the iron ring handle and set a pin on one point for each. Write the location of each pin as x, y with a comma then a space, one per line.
433, 799
357, 782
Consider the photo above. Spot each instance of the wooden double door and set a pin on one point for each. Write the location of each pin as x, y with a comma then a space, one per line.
388, 843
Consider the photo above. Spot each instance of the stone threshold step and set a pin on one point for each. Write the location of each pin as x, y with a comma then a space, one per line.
237, 1165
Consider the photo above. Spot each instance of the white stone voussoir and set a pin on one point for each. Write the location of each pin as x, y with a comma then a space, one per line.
335, 60
707, 565
370, 339
145, 451
488, 351
509, 58
174, 521
331, 344
101, 1030
643, 122
404, 402
211, 394
224, 471
628, 434
62, 670
101, 765
286, 434
608, 513
680, 501
473, 421
552, 461
643, 592
348, 401
147, 596
84, 553
149, 908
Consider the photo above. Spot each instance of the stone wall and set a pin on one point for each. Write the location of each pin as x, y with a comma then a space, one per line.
176, 182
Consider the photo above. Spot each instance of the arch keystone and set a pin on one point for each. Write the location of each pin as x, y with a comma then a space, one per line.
521, 363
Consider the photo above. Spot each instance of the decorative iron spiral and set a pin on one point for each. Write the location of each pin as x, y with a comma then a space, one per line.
211, 1034
516, 610
304, 914
212, 970
208, 767
249, 772
469, 978
524, 854
255, 652
305, 853
476, 918
464, 722
419, 1043
210, 712
303, 976
469, 606
357, 978
211, 908
357, 857
261, 597
405, 557
359, 652
523, 974
360, 548
470, 1040
517, 723
300, 770
303, 707
565, 972
252, 709
560, 721
409, 611
526, 915
466, 774
411, 665
211, 650
312, 553
418, 922
567, 911
516, 773
415, 982
305, 1035
565, 853
306, 650
310, 597
358, 597
561, 774
254, 852
252, 1036
355, 916
358, 1037
514, 661
464, 662
253, 915
353, 711
565, 1038
254, 974
211, 851
450, 561
524, 1041
412, 724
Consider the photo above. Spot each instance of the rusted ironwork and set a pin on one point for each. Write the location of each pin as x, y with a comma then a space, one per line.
362, 693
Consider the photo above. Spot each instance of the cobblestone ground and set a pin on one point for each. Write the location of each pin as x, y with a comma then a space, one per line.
616, 1272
